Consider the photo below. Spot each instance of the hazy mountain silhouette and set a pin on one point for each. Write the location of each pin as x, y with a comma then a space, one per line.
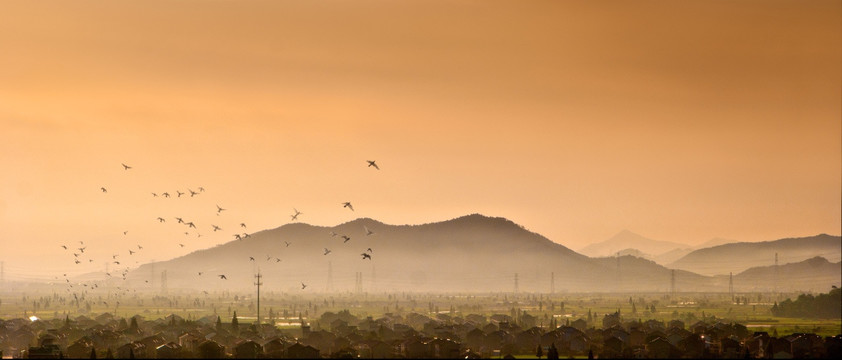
629, 240
814, 274
737, 257
470, 253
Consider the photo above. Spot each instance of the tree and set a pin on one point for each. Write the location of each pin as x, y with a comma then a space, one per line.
539, 352
93, 353
134, 326
552, 353
234, 323
109, 354
218, 323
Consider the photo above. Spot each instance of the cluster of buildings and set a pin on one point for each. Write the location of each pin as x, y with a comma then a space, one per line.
413, 335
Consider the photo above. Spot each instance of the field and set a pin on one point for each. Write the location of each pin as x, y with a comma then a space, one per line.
287, 310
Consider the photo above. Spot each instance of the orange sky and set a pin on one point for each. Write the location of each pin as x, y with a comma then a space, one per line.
681, 121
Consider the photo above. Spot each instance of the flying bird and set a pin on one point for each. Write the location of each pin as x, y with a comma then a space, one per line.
180, 220
222, 277
367, 230
219, 209
347, 204
160, 219
131, 252
347, 238
372, 163
369, 250
332, 234
366, 256
277, 260
179, 193
251, 258
140, 247
182, 245
295, 216
246, 235
154, 195
82, 249
287, 242
192, 193
125, 167
201, 189
200, 273
103, 189
166, 194
77, 261
64, 246
215, 228
190, 224
243, 225
125, 232
238, 237
303, 285
327, 251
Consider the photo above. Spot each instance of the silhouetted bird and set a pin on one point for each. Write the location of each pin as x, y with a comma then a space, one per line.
277, 260
246, 235
180, 220
126, 167
327, 251
222, 277
140, 247
371, 163
251, 258
219, 209
347, 204
201, 189
366, 256
243, 225
200, 273
160, 219
238, 237
369, 250
215, 228
131, 252
190, 224
182, 245
367, 230
303, 285
192, 193
332, 234
295, 216
166, 194
77, 261
179, 193
287, 242
64, 246
125, 232
103, 189
346, 237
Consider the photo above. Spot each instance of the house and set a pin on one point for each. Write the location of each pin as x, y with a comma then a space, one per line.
133, 349
210, 349
580, 324
170, 350
274, 348
660, 348
612, 347
248, 349
415, 349
80, 348
444, 348
299, 351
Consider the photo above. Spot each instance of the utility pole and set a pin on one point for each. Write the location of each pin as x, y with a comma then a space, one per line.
258, 283
619, 274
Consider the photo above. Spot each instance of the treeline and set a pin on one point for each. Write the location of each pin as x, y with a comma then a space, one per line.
823, 306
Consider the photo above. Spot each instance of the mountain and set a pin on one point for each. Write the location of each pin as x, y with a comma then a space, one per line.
738, 257
472, 253
815, 274
627, 239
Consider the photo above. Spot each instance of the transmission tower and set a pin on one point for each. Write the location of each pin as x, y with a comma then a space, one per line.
516, 285
731, 285
775, 280
672, 283
329, 277
258, 283
164, 282
552, 283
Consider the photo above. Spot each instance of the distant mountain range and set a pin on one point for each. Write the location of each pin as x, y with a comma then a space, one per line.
473, 253
738, 257
625, 240
470, 253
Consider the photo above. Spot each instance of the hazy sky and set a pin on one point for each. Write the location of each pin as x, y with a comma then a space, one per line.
678, 120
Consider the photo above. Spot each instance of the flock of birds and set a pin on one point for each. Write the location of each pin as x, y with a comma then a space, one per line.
366, 255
